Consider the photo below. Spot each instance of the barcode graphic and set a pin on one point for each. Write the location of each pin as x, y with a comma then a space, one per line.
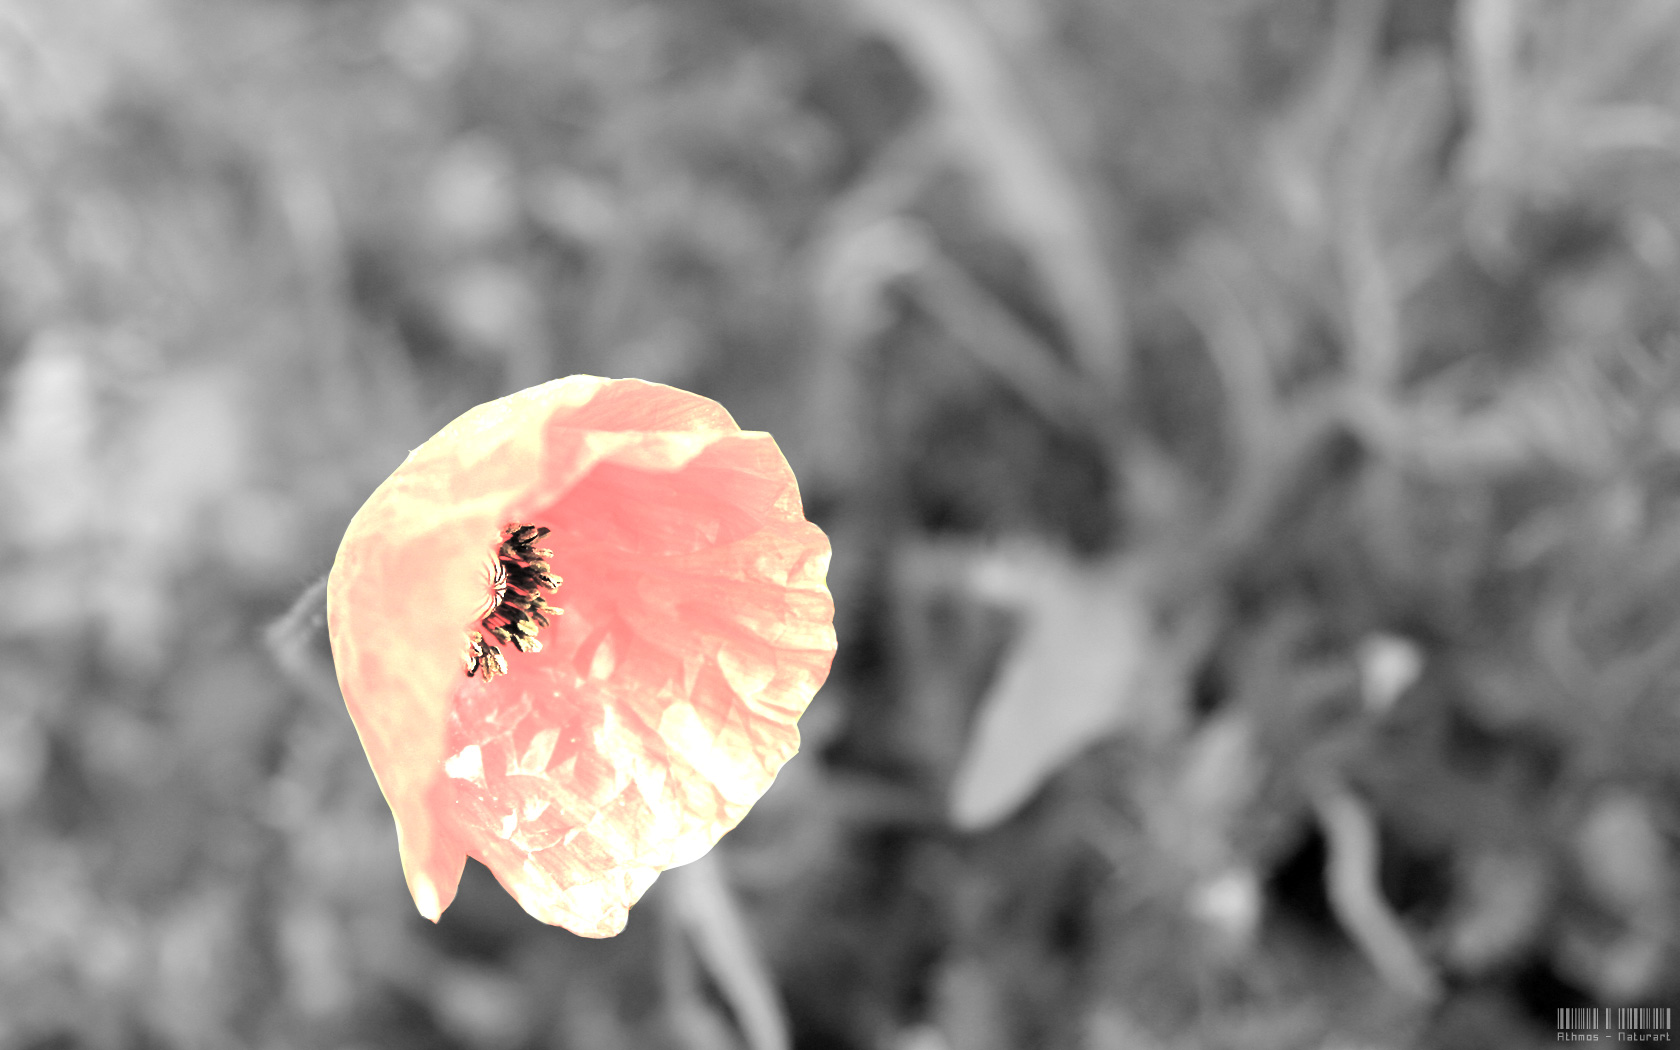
1579, 1017
1626, 1018
1636, 1018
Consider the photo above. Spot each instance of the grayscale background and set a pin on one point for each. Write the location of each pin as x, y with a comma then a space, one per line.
1249, 432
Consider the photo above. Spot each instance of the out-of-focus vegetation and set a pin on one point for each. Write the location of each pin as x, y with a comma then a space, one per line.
1248, 430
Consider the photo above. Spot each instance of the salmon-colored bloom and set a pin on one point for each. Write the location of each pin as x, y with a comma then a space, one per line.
660, 641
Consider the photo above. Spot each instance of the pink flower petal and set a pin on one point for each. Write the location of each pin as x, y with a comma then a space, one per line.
697, 626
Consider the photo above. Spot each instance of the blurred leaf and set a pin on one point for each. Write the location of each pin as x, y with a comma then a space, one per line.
311, 949
481, 1005
1389, 664
1111, 1027
1624, 861
1194, 810
1086, 665
1504, 898
971, 1009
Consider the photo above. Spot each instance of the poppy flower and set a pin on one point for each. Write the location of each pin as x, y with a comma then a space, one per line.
575, 631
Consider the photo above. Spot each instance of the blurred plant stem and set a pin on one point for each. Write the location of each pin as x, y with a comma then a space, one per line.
1350, 834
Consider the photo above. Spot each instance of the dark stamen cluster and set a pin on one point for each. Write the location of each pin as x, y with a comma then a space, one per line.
481, 655
518, 609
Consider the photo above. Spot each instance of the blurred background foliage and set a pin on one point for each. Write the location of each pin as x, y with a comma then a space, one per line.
1248, 430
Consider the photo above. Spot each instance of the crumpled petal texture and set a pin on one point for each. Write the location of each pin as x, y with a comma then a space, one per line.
697, 626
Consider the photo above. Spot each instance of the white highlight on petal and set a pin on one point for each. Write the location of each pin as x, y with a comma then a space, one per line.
564, 772
747, 677
605, 660
650, 780
426, 898
538, 752
466, 764
681, 728
509, 824
607, 730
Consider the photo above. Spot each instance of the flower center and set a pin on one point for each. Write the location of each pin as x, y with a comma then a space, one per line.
517, 607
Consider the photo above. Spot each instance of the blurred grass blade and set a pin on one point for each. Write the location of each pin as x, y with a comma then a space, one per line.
1087, 663
714, 922
1001, 343
1384, 186
1488, 45
1038, 201
860, 249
